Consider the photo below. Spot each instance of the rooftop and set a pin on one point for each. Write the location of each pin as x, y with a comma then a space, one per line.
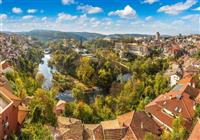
111, 124
195, 135
4, 102
66, 121
177, 87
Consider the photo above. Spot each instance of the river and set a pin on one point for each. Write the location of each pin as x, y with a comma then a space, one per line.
46, 70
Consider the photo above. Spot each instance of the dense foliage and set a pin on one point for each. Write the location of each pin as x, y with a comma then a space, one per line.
147, 81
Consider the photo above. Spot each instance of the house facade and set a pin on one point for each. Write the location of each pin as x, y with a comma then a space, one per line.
12, 112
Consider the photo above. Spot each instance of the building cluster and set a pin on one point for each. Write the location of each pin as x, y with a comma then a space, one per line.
131, 48
129, 126
157, 116
12, 46
184, 64
168, 46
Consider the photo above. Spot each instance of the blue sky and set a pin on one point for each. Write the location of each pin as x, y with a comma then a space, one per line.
103, 16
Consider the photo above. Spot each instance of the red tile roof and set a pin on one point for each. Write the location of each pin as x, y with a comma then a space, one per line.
176, 102
126, 119
138, 123
142, 123
195, 135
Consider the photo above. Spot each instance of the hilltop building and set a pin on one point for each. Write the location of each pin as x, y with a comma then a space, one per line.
157, 37
132, 48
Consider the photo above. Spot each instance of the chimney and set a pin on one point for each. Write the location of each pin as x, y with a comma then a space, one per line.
142, 126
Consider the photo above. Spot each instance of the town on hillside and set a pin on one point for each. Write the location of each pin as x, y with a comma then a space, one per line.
107, 88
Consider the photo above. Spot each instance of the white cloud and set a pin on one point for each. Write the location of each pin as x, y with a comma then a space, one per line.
31, 11
17, 10
197, 9
94, 22
137, 23
3, 16
82, 19
148, 18
27, 17
67, 2
128, 12
89, 9
99, 26
44, 19
150, 1
178, 22
177, 8
192, 17
65, 17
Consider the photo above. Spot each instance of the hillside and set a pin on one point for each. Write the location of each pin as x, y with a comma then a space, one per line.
45, 35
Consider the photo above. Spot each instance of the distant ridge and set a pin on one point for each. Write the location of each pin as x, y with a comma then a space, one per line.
45, 35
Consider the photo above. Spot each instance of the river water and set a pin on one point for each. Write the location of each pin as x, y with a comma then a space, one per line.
46, 70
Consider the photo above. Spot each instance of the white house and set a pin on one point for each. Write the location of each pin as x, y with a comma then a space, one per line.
174, 78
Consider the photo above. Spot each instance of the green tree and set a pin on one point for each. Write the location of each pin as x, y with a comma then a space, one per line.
69, 108
149, 136
78, 93
40, 78
36, 131
197, 111
84, 112
41, 108
179, 132
142, 103
85, 71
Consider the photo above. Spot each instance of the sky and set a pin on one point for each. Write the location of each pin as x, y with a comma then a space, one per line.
169, 17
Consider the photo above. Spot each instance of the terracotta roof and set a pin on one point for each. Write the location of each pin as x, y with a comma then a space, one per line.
195, 135
176, 102
111, 124
138, 123
186, 79
66, 121
129, 135
157, 112
154, 102
141, 124
184, 106
126, 119
91, 126
22, 113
